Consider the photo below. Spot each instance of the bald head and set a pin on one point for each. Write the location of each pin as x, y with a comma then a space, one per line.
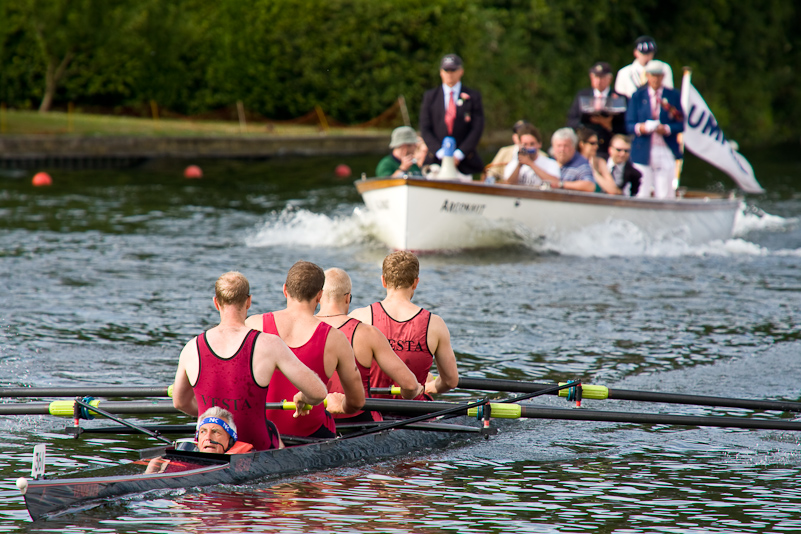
232, 288
337, 286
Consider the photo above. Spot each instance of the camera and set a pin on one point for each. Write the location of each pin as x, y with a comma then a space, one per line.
532, 152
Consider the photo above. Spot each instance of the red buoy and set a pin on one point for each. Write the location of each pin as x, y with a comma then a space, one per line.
193, 171
41, 178
342, 170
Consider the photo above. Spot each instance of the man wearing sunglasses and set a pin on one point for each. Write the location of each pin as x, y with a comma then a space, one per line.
453, 110
626, 176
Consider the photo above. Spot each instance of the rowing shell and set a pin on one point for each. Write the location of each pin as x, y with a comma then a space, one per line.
48, 497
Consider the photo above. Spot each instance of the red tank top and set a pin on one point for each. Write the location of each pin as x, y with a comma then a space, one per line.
229, 383
312, 355
409, 341
334, 384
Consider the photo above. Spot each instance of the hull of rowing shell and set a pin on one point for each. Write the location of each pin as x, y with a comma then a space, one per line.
426, 215
48, 497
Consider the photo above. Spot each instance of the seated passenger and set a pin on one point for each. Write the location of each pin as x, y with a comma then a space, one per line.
494, 171
588, 147
529, 165
576, 173
625, 175
401, 160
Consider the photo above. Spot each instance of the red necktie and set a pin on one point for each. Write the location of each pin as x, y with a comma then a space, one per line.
450, 114
656, 105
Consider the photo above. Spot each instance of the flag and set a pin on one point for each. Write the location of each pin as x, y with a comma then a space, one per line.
704, 138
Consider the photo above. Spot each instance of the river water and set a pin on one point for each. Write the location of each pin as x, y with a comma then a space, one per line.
108, 273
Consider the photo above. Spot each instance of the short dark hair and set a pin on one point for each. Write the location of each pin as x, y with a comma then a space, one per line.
530, 129
304, 281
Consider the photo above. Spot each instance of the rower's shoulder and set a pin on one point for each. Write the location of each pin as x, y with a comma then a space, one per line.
256, 322
365, 315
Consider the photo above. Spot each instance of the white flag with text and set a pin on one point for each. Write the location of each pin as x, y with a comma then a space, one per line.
704, 138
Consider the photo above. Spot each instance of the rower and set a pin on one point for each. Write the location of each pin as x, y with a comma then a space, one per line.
369, 345
322, 348
417, 336
231, 365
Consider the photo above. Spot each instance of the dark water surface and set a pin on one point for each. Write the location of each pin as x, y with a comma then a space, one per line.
108, 273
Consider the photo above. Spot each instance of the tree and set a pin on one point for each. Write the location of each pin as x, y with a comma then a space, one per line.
68, 29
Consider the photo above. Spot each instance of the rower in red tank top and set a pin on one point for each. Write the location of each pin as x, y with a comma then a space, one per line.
335, 386
228, 383
231, 366
417, 336
409, 341
318, 423
322, 348
369, 345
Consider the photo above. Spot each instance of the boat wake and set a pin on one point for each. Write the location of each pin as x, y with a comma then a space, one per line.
299, 227
616, 238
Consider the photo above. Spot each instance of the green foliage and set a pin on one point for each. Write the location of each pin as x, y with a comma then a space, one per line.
353, 58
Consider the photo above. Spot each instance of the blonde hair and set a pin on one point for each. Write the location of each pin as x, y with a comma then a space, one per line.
337, 284
232, 288
400, 269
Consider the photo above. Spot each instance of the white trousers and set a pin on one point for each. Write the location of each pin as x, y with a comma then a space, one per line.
657, 177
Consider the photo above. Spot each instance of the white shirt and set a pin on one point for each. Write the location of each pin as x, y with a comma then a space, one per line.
527, 176
631, 77
446, 91
456, 90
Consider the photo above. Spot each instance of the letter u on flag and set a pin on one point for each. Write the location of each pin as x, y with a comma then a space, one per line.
704, 138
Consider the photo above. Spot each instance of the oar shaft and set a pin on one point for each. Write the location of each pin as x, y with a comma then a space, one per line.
655, 419
515, 386
92, 391
64, 408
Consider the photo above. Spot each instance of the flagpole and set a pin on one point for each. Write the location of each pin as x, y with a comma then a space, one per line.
685, 85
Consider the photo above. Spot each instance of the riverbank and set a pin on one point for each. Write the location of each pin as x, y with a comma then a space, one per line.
31, 140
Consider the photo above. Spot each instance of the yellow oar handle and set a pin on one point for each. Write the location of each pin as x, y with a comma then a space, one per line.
290, 406
66, 408
500, 411
587, 392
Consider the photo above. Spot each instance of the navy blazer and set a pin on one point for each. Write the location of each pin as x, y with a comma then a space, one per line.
639, 110
467, 127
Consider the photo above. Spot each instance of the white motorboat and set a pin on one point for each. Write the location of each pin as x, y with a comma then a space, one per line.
431, 215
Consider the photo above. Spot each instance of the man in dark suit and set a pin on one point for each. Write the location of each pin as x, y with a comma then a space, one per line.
453, 110
627, 178
655, 117
599, 108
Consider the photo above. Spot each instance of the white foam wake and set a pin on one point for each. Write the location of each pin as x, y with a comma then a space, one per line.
621, 238
300, 227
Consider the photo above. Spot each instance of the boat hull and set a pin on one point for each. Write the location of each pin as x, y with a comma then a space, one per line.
47, 497
425, 215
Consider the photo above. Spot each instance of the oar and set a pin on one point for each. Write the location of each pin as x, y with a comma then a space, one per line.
518, 411
65, 408
457, 409
138, 428
589, 391
91, 391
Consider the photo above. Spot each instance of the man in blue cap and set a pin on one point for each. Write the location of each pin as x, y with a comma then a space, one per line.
632, 77
453, 110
